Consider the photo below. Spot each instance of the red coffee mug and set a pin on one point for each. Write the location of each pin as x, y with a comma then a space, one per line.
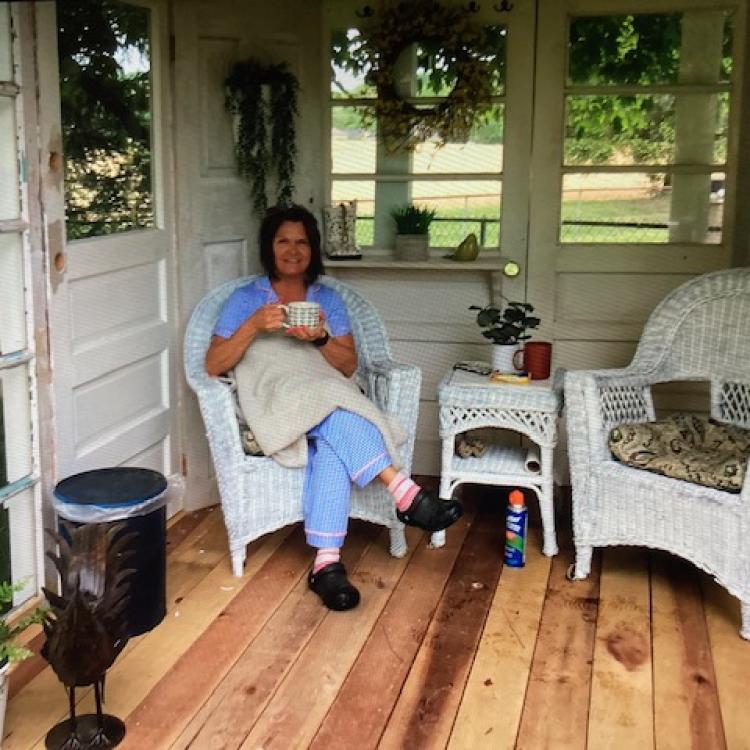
537, 356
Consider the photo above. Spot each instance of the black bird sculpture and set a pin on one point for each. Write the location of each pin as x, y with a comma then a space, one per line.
86, 626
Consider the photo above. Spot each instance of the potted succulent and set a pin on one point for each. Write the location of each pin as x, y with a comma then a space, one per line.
507, 328
9, 651
412, 227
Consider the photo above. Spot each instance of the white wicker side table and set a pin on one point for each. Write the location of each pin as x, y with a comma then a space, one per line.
469, 401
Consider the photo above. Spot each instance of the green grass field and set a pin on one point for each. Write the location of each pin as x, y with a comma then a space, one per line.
465, 220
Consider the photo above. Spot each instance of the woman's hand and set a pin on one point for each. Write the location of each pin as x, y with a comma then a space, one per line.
308, 333
223, 354
268, 318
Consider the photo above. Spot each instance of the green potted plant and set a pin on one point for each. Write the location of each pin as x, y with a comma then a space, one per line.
9, 650
263, 100
412, 227
506, 327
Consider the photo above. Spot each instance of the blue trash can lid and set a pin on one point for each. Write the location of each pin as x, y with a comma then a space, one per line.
109, 488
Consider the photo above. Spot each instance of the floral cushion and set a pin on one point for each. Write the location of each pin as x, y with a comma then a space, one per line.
249, 444
685, 446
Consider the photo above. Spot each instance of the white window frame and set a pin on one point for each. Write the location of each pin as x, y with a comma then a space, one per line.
26, 488
517, 99
674, 89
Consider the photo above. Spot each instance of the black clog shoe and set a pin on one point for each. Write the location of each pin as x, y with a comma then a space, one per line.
332, 586
430, 513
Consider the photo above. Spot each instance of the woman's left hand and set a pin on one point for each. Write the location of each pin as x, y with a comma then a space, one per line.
308, 333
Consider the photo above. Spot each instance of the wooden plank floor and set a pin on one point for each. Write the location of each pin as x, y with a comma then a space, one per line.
447, 649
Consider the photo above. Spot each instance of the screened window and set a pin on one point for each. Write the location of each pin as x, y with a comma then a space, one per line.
646, 118
462, 181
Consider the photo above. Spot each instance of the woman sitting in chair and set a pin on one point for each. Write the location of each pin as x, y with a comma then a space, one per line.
295, 392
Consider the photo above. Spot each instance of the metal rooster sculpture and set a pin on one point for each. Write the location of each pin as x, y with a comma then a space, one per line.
86, 626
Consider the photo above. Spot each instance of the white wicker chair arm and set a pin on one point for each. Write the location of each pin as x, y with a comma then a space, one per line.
219, 416
745, 496
394, 387
598, 400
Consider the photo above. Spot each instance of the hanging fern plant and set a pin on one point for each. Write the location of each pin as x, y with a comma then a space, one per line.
266, 138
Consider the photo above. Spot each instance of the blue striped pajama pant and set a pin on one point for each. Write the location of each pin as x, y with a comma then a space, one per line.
343, 449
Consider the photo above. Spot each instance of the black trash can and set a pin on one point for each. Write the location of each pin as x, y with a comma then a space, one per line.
137, 498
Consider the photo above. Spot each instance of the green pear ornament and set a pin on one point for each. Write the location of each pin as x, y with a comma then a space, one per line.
467, 250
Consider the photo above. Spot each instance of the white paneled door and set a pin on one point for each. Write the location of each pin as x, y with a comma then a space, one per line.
105, 116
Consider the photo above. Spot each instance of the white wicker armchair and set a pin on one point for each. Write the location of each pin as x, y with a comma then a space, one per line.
257, 494
701, 331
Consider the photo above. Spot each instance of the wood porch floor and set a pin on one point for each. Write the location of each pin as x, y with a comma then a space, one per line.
447, 648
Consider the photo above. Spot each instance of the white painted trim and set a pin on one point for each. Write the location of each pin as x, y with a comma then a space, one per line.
36, 299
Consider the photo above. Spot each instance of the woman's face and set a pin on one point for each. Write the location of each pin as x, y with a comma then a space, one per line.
291, 249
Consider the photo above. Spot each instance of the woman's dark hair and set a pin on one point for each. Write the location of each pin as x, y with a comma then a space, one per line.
273, 219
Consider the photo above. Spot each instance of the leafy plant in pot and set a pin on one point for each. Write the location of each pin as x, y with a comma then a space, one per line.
507, 328
10, 651
412, 228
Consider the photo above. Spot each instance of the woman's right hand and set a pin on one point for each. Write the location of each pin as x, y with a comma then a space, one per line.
268, 318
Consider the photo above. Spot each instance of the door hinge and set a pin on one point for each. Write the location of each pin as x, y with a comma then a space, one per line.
183, 464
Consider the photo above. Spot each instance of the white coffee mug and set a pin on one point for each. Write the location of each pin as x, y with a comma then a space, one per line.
302, 314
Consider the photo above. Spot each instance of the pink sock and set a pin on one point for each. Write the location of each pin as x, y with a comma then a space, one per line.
326, 556
403, 490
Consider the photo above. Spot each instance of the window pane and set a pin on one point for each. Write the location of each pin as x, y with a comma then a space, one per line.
353, 146
105, 92
482, 152
637, 207
6, 49
643, 49
23, 544
347, 68
9, 199
3, 459
364, 193
462, 207
5, 572
642, 129
16, 416
434, 71
12, 303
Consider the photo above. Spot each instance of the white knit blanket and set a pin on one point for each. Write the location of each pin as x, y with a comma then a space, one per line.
285, 387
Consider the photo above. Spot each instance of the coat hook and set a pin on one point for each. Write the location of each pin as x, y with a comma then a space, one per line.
472, 7
366, 12
504, 6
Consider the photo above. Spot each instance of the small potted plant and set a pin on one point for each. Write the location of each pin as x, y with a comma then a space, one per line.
506, 327
412, 227
10, 651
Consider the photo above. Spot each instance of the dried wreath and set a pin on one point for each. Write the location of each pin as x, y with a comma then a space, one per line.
462, 55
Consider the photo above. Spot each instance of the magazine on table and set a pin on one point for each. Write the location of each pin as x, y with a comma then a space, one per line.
483, 373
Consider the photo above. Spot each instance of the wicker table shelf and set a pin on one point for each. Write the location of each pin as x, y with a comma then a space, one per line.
468, 401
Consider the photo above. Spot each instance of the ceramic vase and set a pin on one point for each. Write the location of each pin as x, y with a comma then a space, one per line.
504, 357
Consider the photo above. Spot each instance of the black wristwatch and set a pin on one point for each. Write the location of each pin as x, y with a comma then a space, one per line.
322, 341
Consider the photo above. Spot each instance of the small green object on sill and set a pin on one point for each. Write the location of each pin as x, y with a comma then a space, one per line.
467, 250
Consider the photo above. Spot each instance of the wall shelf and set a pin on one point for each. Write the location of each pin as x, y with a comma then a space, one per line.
487, 262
